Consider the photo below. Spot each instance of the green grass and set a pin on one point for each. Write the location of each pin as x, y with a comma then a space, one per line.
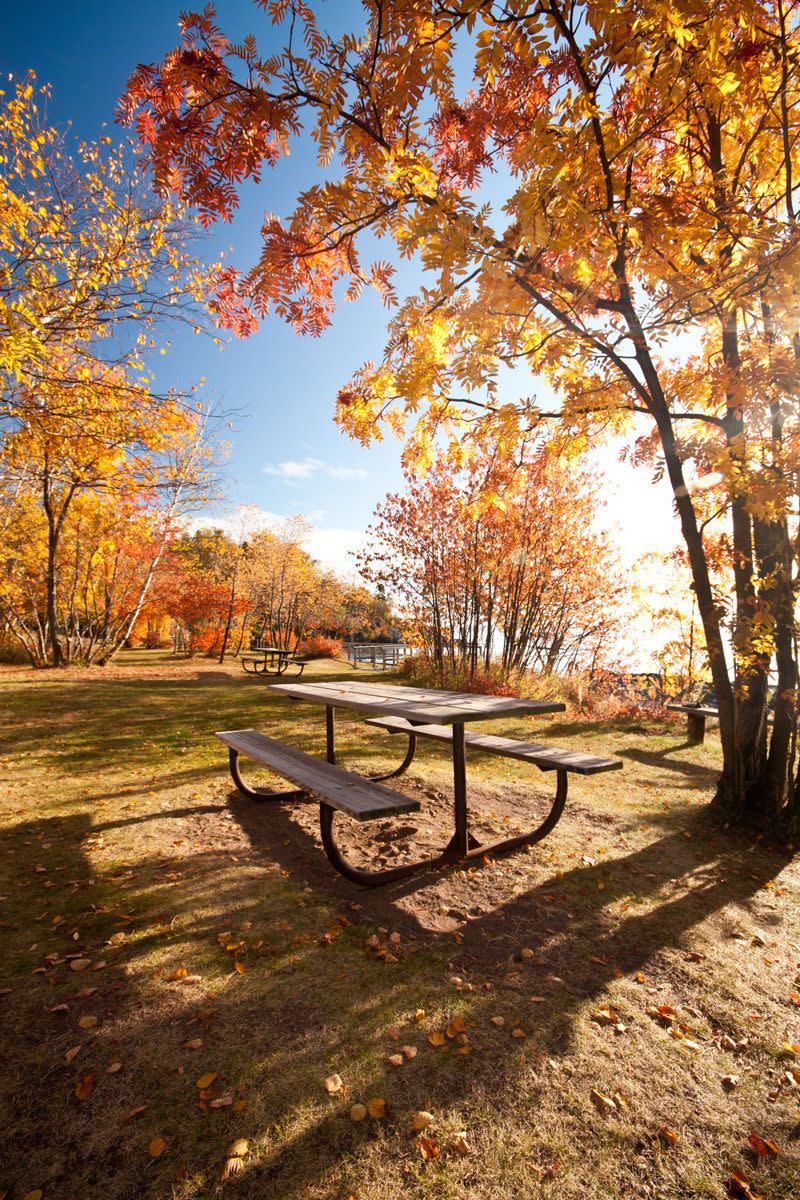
121, 841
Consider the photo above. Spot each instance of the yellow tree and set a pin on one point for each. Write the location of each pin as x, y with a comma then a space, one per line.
610, 208
86, 466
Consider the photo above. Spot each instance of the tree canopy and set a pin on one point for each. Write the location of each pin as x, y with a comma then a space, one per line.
609, 202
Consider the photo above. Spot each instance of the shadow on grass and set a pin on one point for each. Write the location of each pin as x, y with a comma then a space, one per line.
659, 758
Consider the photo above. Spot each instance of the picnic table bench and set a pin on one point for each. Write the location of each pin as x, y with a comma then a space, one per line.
415, 712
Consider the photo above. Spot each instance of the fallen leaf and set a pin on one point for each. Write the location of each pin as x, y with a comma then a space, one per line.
376, 1107
428, 1148
409, 1051
240, 968
193, 1044
36, 1194
526, 952
421, 1120
87, 1022
178, 973
235, 1158
396, 1060
517, 1032
436, 1038
358, 1112
71, 1053
157, 1146
668, 1135
739, 1189
456, 1026
205, 1081
239, 1105
113, 1068
498, 1021
85, 1085
730, 1081
116, 939
602, 1102
225, 1101
459, 1143
763, 1147
135, 1112
332, 1084
419, 1015
80, 964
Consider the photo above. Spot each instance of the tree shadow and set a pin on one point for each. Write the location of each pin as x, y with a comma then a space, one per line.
658, 758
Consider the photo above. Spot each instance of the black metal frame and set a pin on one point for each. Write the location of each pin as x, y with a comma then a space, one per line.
462, 846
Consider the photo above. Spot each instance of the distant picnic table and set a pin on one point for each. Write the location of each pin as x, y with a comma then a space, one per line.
271, 660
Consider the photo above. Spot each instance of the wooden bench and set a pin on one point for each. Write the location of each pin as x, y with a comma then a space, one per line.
335, 788
546, 758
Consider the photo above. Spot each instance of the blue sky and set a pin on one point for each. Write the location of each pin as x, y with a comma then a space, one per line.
286, 455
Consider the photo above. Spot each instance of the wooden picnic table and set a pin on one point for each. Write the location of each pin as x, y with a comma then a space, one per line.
415, 712
263, 660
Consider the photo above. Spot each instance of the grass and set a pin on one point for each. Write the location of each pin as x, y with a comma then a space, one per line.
123, 846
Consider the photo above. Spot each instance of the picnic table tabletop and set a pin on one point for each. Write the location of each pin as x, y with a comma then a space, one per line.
424, 706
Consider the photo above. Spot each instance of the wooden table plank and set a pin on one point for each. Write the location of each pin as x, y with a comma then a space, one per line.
423, 705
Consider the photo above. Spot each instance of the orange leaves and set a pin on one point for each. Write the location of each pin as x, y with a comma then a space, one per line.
157, 1146
205, 1081
763, 1147
85, 1086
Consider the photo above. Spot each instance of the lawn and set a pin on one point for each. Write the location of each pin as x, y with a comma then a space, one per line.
613, 1013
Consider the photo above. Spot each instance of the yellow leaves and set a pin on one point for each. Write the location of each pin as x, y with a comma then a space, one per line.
603, 1103
358, 1112
88, 1022
205, 1081
157, 1146
376, 1107
234, 1160
178, 973
455, 1027
436, 1038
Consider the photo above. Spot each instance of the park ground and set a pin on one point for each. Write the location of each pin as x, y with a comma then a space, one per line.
614, 1013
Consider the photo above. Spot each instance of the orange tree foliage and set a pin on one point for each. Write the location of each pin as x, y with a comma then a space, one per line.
499, 565
216, 593
610, 204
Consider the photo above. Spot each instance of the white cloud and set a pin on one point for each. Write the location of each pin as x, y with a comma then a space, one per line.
293, 469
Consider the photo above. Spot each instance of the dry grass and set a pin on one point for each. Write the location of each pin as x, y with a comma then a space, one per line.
117, 818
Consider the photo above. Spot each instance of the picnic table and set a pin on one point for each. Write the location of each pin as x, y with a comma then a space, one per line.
413, 712
270, 660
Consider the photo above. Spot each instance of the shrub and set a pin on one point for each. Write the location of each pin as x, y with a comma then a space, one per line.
319, 646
